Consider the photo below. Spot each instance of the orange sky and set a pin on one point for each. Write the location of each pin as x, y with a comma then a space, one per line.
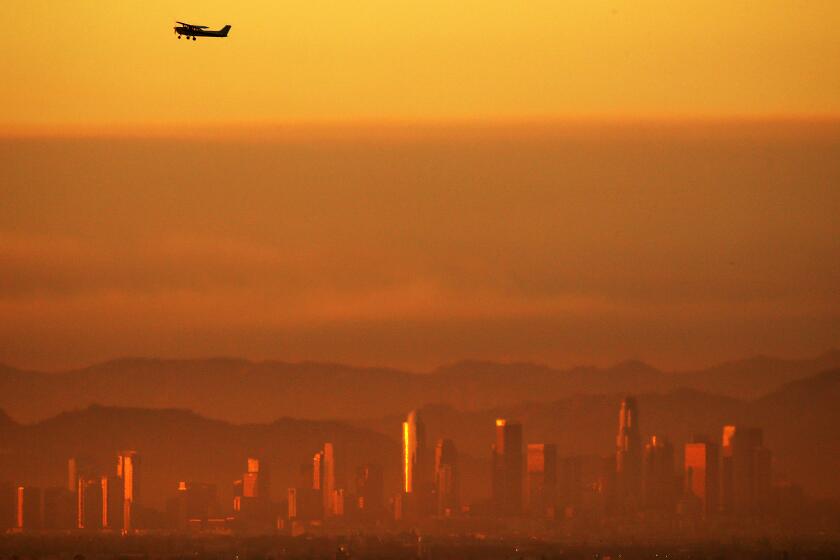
119, 62
682, 244
670, 192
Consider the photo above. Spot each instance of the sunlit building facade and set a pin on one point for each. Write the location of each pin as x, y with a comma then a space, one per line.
29, 510
414, 449
113, 500
701, 477
323, 478
256, 482
415, 476
127, 471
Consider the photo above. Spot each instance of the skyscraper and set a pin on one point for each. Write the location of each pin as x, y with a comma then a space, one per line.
416, 480
113, 500
446, 478
628, 455
77, 468
541, 479
72, 474
414, 449
323, 477
727, 479
659, 488
89, 502
370, 490
746, 470
29, 508
127, 471
763, 478
255, 480
251, 496
507, 468
317, 469
702, 474
195, 502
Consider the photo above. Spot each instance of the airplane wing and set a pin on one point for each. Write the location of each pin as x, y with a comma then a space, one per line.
191, 25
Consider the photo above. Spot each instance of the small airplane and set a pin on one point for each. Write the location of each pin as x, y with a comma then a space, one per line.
189, 30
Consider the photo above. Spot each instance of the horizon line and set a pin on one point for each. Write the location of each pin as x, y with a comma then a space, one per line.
354, 125
422, 371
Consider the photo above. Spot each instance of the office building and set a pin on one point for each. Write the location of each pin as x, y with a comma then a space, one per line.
89, 503
507, 464
446, 478
29, 508
658, 476
628, 456
745, 471
127, 471
702, 474
370, 490
323, 472
541, 479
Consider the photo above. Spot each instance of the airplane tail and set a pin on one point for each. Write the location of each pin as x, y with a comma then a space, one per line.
225, 30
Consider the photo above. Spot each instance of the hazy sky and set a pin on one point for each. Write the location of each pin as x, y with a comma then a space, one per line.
679, 244
637, 214
107, 62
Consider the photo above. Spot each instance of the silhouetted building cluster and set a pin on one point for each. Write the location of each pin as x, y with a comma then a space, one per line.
90, 501
645, 480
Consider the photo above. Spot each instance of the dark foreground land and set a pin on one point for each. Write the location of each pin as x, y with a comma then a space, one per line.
400, 547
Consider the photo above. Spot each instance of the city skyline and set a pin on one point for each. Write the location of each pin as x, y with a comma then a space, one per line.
420, 280
527, 481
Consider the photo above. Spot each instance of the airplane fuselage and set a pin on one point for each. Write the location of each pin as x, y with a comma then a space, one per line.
193, 32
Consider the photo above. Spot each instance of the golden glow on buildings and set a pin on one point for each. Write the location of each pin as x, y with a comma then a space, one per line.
414, 445
104, 484
728, 435
323, 477
406, 458
328, 482
127, 471
702, 475
19, 514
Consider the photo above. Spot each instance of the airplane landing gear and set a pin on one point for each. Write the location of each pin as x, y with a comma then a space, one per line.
193, 38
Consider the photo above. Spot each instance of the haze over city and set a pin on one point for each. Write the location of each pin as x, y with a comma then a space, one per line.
419, 279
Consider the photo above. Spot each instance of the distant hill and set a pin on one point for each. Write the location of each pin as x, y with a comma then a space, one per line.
800, 421
179, 445
244, 391
802, 424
